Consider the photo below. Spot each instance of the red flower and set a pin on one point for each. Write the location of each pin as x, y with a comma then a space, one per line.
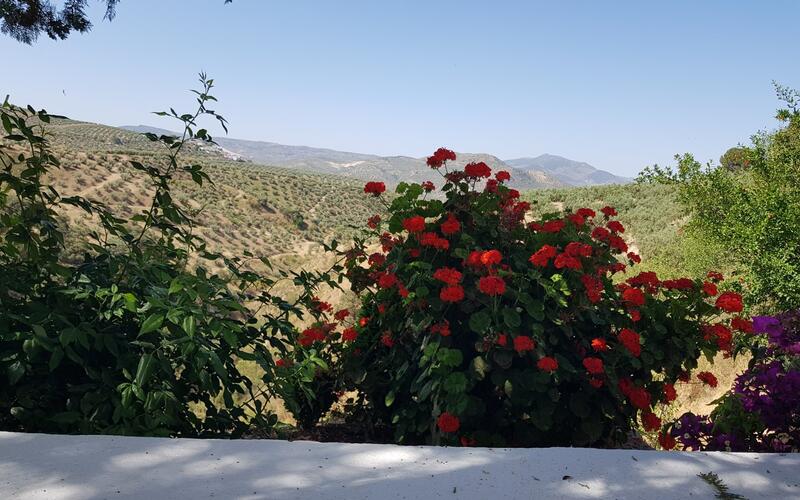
593, 365
374, 188
448, 422
617, 243
650, 421
402, 290
609, 211
730, 302
341, 314
492, 285
450, 226
586, 212
631, 341
596, 382
440, 156
721, 334
381, 308
362, 322
633, 296
563, 260
707, 378
715, 276
387, 280
491, 257
679, 284
710, 288
502, 339
523, 343
430, 239
639, 398
683, 376
502, 176
349, 334
474, 258
477, 170
553, 226
373, 221
601, 233
542, 256
415, 224
442, 329
635, 315
547, 364
377, 259
311, 335
594, 287
387, 340
467, 442
599, 345
666, 441
669, 393
577, 219
615, 226
428, 186
452, 293
283, 362
742, 324
447, 275
634, 257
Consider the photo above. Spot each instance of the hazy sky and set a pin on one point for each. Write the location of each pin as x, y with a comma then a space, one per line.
617, 84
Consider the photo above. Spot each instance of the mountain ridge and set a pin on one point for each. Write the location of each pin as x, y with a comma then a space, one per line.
543, 171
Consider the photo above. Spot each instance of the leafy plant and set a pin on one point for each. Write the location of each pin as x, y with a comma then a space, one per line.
478, 326
137, 336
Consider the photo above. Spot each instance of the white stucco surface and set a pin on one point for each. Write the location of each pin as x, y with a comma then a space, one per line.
38, 466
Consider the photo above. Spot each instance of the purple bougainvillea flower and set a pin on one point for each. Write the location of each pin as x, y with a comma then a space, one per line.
767, 324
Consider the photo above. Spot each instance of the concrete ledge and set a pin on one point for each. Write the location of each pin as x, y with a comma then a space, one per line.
39, 466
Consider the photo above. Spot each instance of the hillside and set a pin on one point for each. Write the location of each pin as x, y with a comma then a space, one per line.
567, 172
268, 211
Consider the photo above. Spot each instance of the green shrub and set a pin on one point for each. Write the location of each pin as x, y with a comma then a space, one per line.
476, 327
129, 337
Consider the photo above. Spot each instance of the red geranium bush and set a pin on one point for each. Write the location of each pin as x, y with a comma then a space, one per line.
478, 326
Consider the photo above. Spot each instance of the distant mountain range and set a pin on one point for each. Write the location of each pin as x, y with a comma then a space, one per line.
526, 173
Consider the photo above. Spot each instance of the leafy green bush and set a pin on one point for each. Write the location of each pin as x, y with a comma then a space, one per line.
477, 327
750, 206
136, 336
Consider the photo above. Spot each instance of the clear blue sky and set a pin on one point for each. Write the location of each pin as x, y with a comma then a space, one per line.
617, 84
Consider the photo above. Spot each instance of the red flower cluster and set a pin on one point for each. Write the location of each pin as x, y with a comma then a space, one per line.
669, 393
599, 345
447, 275
442, 329
650, 421
594, 287
542, 256
633, 297
374, 188
730, 302
450, 226
492, 285
428, 186
415, 224
593, 365
452, 293
631, 341
707, 378
448, 423
477, 170
349, 334
638, 396
609, 211
502, 176
440, 157
429, 239
523, 343
547, 364
311, 335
